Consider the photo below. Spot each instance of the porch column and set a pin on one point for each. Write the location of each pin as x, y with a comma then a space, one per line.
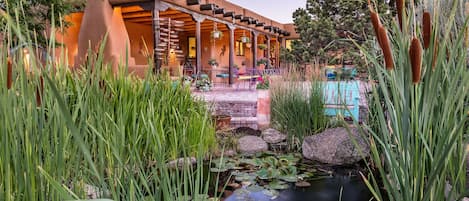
254, 48
156, 35
231, 28
277, 50
268, 51
198, 20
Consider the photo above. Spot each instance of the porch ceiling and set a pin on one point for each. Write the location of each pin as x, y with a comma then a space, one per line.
136, 14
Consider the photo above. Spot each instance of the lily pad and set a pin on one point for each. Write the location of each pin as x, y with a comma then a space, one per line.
278, 185
289, 178
245, 177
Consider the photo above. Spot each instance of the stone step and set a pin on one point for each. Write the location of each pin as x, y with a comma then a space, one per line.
235, 108
250, 122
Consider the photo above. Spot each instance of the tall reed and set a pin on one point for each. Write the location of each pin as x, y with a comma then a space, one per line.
417, 127
62, 130
297, 106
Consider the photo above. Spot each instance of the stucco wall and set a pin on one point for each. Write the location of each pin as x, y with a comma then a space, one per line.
69, 39
140, 36
101, 19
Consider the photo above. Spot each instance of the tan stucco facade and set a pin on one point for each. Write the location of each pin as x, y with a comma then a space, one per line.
133, 39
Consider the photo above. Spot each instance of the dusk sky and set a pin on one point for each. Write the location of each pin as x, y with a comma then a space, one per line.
278, 10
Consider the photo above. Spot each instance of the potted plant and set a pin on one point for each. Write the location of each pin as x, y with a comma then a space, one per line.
222, 121
216, 34
262, 61
213, 62
203, 84
245, 39
264, 83
262, 46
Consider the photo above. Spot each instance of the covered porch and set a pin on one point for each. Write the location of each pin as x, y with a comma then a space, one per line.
188, 37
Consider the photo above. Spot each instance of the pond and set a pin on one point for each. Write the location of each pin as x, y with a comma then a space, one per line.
335, 188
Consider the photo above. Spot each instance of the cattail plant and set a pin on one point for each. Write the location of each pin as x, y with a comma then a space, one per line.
435, 54
426, 29
419, 112
400, 9
375, 21
40, 92
9, 73
386, 47
415, 54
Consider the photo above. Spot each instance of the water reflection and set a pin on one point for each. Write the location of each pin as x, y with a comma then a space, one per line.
329, 189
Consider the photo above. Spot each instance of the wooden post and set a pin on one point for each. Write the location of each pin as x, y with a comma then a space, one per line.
198, 20
232, 53
254, 48
156, 35
268, 51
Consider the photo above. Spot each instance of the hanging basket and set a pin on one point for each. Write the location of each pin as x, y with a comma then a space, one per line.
217, 34
245, 39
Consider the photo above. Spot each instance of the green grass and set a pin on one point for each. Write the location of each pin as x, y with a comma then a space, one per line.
418, 133
111, 131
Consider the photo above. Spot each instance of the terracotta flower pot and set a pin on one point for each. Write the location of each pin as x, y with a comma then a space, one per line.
222, 121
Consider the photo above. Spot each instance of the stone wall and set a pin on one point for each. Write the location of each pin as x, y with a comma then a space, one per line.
235, 109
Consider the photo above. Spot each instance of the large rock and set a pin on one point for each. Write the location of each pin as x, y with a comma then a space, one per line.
335, 146
273, 136
181, 162
251, 144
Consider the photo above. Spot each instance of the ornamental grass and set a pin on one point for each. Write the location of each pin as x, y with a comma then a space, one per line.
419, 111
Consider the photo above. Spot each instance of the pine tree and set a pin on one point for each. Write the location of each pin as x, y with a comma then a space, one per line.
328, 25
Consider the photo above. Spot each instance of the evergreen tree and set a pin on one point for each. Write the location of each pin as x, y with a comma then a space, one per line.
33, 16
327, 25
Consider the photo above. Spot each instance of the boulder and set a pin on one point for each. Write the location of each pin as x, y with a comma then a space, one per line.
181, 162
336, 147
273, 136
251, 144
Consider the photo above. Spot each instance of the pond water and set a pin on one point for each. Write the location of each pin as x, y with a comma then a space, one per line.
336, 188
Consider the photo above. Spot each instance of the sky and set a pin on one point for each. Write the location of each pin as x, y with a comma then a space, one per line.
278, 10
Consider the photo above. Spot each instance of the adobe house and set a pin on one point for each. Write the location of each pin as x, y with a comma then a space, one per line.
135, 27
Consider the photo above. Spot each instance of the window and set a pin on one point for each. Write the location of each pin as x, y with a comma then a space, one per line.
288, 44
192, 47
239, 48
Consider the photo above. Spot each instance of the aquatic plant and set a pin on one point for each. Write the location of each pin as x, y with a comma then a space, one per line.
297, 107
418, 110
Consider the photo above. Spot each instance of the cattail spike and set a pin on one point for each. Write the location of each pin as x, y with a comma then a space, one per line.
400, 9
9, 73
386, 47
376, 24
427, 29
415, 53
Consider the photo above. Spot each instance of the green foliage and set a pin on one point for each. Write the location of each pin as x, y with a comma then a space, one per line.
261, 61
328, 25
32, 15
297, 107
264, 83
273, 171
418, 130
